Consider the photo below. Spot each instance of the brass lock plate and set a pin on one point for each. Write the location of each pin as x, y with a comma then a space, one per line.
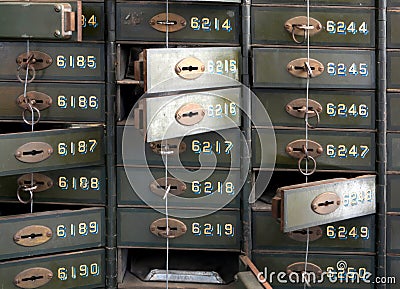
301, 235
39, 20
174, 146
308, 205
299, 268
33, 235
37, 59
175, 22
33, 152
190, 114
299, 25
37, 99
175, 228
33, 278
298, 108
298, 68
177, 187
40, 181
190, 68
296, 149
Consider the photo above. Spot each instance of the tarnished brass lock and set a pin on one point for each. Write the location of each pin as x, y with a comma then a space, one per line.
301, 26
177, 187
299, 68
37, 59
175, 228
37, 99
326, 203
314, 233
296, 149
175, 22
33, 235
40, 181
190, 114
33, 152
33, 278
299, 267
173, 145
298, 108
190, 68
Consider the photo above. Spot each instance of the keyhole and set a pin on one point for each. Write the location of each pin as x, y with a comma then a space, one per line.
164, 187
26, 182
190, 68
303, 68
164, 228
301, 149
190, 114
326, 204
32, 153
31, 236
303, 232
32, 278
33, 60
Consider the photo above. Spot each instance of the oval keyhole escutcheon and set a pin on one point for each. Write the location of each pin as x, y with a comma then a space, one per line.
33, 235
326, 203
175, 228
301, 235
37, 99
190, 114
33, 152
298, 68
33, 278
190, 68
177, 187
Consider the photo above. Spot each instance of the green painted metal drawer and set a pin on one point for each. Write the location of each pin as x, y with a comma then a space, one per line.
69, 186
93, 21
220, 230
82, 269
393, 149
78, 61
354, 235
272, 67
137, 21
337, 268
211, 149
393, 272
204, 188
340, 150
332, 26
393, 233
393, 121
393, 62
55, 101
393, 196
393, 3
359, 3
336, 109
51, 232
69, 147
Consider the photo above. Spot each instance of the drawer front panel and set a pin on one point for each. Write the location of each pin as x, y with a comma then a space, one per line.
220, 230
393, 196
338, 27
92, 21
360, 3
354, 235
71, 186
393, 149
194, 22
222, 145
201, 188
341, 150
67, 102
85, 269
393, 122
337, 267
393, 62
67, 148
341, 68
51, 232
68, 61
393, 231
350, 109
393, 271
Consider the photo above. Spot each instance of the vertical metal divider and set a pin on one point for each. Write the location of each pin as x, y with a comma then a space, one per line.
381, 239
111, 235
246, 127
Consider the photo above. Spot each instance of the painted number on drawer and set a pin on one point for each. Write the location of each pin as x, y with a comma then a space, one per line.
211, 230
209, 24
77, 61
344, 233
347, 110
79, 147
222, 66
341, 27
81, 271
78, 102
208, 147
356, 198
344, 273
221, 110
343, 151
89, 21
208, 188
341, 69
82, 229
76, 183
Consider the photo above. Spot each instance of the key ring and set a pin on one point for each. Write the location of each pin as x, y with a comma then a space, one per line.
31, 109
300, 26
29, 68
306, 118
307, 157
25, 188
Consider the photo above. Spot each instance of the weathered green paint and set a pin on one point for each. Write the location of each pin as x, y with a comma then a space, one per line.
70, 186
64, 65
94, 13
61, 265
324, 138
268, 26
393, 270
133, 22
335, 108
70, 102
265, 225
134, 230
136, 151
192, 179
57, 139
270, 68
393, 63
393, 148
278, 262
393, 231
393, 196
393, 120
